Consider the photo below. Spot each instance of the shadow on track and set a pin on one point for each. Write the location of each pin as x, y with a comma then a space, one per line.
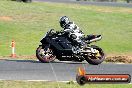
34, 61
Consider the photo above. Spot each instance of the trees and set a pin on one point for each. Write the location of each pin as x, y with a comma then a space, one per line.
24, 0
128, 1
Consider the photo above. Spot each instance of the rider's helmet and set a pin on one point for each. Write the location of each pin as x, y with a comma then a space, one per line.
64, 20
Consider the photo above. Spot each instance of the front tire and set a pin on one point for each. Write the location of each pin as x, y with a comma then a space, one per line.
45, 55
94, 59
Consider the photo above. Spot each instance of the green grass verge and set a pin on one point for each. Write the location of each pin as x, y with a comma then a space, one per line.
25, 84
26, 23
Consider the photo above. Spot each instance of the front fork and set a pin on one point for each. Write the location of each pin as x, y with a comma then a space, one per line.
90, 50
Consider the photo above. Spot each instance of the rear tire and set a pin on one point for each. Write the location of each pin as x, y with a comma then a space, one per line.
93, 59
44, 56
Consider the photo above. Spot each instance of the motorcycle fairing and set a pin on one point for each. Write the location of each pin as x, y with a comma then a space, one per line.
61, 45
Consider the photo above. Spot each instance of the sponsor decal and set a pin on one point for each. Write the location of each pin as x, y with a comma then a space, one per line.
83, 78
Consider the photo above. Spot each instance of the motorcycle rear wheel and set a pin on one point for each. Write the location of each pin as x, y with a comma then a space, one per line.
95, 60
45, 55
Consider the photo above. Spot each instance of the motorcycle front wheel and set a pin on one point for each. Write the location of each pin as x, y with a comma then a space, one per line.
45, 55
97, 58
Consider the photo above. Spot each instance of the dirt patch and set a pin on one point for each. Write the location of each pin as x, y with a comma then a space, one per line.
112, 9
109, 58
6, 18
119, 58
27, 57
23, 57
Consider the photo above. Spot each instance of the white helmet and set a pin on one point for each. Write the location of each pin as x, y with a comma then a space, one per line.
64, 20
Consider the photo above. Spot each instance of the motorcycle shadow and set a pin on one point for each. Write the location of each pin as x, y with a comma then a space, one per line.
23, 61
35, 61
70, 62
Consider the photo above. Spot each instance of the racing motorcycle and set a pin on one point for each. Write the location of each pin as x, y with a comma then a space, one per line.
56, 45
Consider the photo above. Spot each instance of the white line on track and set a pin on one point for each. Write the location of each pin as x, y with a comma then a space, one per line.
36, 80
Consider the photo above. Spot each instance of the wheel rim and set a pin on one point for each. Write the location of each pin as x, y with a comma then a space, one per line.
99, 55
46, 54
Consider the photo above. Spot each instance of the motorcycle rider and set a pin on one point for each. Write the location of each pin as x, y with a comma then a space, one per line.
72, 29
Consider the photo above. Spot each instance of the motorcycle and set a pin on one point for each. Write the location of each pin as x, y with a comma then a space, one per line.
56, 45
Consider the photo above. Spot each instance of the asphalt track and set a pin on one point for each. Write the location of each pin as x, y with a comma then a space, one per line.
57, 71
112, 4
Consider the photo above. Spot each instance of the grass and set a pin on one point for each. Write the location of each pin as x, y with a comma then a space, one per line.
25, 84
26, 23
